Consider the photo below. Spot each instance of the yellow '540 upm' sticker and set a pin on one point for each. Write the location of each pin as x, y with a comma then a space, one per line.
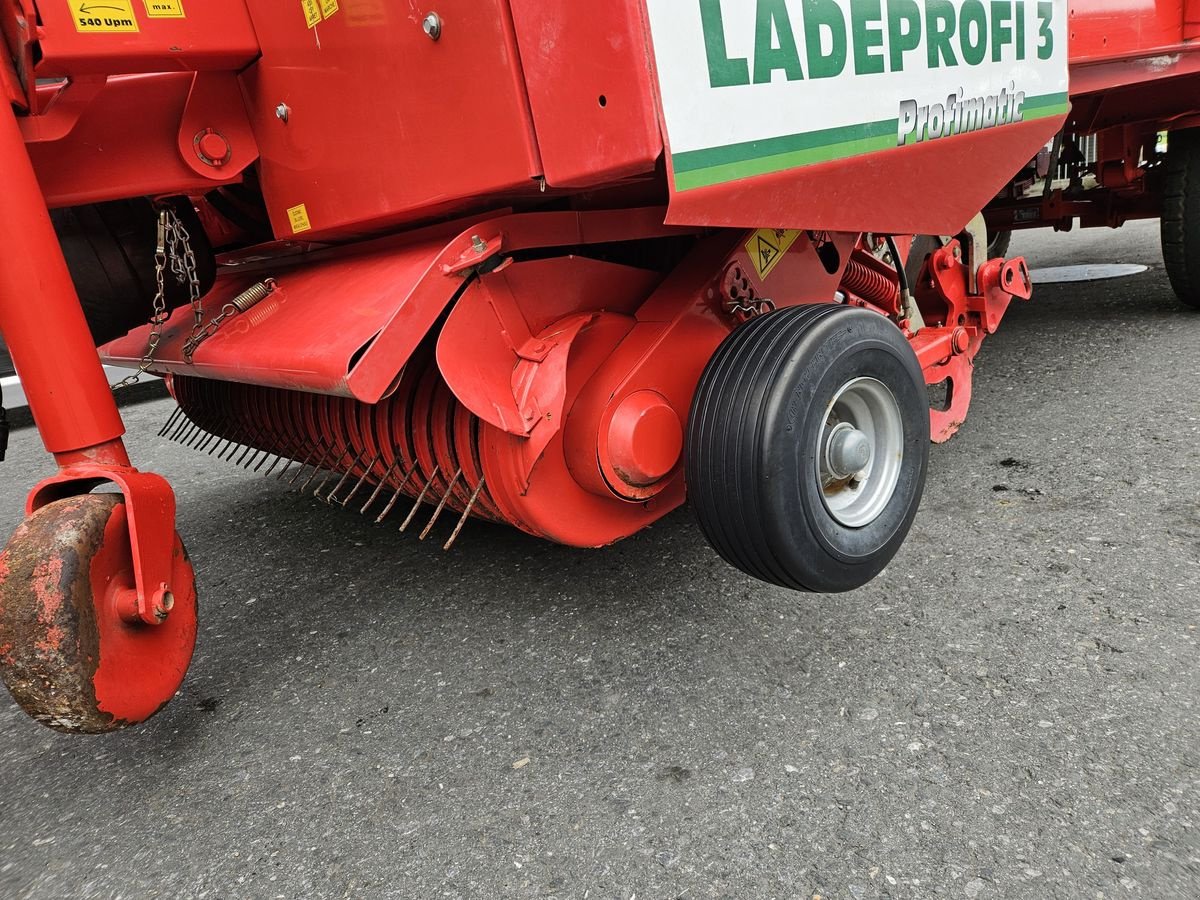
103, 16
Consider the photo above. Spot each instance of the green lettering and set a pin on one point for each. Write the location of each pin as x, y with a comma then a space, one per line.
865, 13
1020, 29
1002, 32
973, 48
939, 29
820, 14
1045, 12
772, 21
722, 71
901, 39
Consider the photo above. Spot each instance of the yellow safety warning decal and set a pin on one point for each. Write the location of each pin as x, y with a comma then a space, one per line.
328, 7
165, 9
767, 246
312, 12
298, 216
103, 16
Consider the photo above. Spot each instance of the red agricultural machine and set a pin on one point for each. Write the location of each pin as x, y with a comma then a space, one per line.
541, 262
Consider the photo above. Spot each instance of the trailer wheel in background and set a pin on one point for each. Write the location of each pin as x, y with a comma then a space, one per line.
998, 245
67, 655
807, 446
1180, 221
109, 249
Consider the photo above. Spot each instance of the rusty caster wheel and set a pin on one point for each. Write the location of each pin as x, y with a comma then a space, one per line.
66, 654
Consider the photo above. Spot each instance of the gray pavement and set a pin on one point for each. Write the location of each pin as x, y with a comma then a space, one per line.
1009, 711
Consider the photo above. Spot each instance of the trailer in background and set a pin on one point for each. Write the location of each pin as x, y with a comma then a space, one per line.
1130, 147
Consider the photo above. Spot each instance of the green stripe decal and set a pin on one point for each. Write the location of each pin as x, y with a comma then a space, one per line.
716, 165
1043, 101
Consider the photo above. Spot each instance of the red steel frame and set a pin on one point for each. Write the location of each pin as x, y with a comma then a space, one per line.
68, 393
199, 96
214, 96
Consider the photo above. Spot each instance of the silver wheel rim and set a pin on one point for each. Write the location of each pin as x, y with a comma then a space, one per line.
860, 450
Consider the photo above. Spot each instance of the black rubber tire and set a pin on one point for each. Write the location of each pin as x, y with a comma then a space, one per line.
1180, 221
752, 461
999, 244
109, 248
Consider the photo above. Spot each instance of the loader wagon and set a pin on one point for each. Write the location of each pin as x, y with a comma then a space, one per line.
540, 262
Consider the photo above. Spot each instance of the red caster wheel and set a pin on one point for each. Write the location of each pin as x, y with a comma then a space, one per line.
68, 654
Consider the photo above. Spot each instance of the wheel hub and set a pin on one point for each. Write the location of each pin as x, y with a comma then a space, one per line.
847, 451
861, 447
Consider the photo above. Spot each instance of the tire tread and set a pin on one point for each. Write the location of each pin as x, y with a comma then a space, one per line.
1180, 219
726, 431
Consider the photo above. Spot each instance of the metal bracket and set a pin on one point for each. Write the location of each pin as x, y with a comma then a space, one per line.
214, 107
150, 507
976, 249
958, 319
476, 254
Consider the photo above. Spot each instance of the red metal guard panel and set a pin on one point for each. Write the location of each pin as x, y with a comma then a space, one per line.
1104, 29
88, 148
345, 321
590, 87
364, 120
1126, 43
298, 337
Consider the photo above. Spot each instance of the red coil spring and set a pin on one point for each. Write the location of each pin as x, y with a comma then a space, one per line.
870, 285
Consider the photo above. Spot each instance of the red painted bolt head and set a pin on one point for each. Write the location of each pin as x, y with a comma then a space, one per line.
960, 340
645, 438
213, 148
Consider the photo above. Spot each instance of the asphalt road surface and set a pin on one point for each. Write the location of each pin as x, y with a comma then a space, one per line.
1009, 711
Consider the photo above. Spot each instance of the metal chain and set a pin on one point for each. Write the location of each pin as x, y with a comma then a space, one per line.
189, 270
172, 247
239, 304
160, 305
199, 337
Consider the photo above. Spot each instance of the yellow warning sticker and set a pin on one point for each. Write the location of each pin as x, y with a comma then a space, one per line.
767, 246
312, 12
298, 216
328, 7
165, 9
103, 16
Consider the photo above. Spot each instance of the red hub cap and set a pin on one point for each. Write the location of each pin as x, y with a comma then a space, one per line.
645, 439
